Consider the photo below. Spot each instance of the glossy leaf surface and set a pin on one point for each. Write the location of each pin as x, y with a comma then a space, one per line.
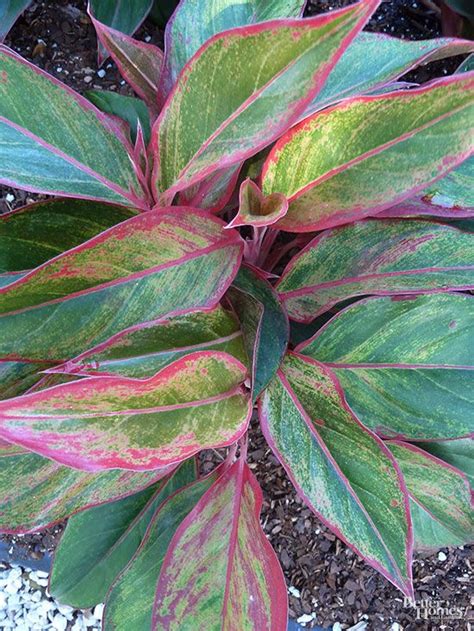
442, 496
139, 63
129, 604
99, 542
213, 192
376, 257
458, 453
350, 147
113, 422
36, 491
220, 571
264, 324
140, 270
130, 109
407, 371
35, 233
63, 145
143, 350
239, 82
329, 456
10, 10
255, 209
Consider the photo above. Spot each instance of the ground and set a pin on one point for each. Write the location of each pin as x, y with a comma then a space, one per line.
327, 582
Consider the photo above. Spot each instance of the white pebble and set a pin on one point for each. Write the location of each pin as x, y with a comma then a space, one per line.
294, 592
59, 622
395, 627
10, 198
101, 73
442, 557
306, 617
99, 611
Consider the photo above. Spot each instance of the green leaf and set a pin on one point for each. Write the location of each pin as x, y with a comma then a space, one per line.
196, 21
99, 542
17, 377
130, 109
10, 10
33, 234
405, 365
458, 453
442, 497
241, 79
341, 469
62, 145
129, 603
264, 324
455, 190
36, 492
141, 270
95, 423
220, 571
351, 147
376, 257
257, 210
143, 350
374, 60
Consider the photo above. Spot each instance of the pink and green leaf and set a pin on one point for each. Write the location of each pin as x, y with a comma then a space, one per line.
36, 492
257, 209
96, 423
264, 324
99, 542
239, 82
329, 456
139, 63
213, 192
459, 453
146, 348
141, 270
220, 571
63, 145
405, 365
129, 603
376, 257
441, 498
350, 147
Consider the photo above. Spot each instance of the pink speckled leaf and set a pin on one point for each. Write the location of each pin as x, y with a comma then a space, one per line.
220, 571
256, 209
98, 423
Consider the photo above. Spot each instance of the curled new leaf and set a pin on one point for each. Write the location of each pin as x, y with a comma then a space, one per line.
256, 209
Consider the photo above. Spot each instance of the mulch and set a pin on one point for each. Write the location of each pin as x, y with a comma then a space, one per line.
324, 576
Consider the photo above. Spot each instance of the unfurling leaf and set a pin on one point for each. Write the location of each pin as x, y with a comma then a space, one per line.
256, 209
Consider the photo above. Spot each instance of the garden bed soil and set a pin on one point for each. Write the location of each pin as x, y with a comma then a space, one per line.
327, 582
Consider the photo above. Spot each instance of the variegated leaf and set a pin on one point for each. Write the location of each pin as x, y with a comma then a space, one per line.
63, 144
130, 109
36, 492
129, 603
458, 453
376, 257
329, 456
351, 147
141, 270
264, 324
405, 365
99, 542
239, 82
213, 192
256, 209
220, 571
197, 402
441, 503
146, 348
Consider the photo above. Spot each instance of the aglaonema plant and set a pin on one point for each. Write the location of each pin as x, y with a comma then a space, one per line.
289, 232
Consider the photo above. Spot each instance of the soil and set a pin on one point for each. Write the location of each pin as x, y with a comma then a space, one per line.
325, 577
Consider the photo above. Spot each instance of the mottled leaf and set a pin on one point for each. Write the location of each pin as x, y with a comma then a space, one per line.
351, 147
35, 233
374, 60
141, 270
36, 492
330, 457
264, 324
197, 402
139, 63
220, 571
99, 542
405, 365
256, 209
213, 192
17, 377
239, 83
440, 498
130, 109
376, 257
63, 145
129, 603
143, 350
458, 453
10, 10
196, 21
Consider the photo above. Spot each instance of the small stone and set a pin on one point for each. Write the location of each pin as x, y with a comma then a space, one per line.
59, 622
294, 592
101, 73
306, 617
99, 611
442, 557
10, 198
395, 627
87, 79
336, 626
